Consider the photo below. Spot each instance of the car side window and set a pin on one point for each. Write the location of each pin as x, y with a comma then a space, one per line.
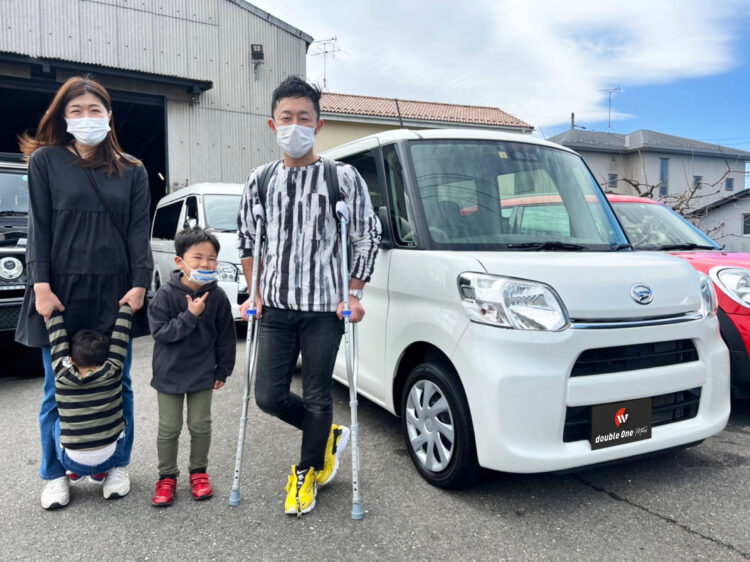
191, 213
165, 221
400, 212
366, 165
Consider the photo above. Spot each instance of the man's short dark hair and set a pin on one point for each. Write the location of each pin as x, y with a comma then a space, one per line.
189, 237
296, 87
89, 348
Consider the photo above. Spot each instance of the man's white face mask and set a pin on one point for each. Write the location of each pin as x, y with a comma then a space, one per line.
89, 131
295, 140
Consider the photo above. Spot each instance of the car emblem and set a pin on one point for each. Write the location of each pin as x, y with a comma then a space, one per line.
642, 294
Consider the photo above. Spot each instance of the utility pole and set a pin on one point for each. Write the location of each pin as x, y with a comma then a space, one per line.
326, 48
609, 115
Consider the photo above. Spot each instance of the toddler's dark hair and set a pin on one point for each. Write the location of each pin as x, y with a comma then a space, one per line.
192, 236
89, 348
296, 87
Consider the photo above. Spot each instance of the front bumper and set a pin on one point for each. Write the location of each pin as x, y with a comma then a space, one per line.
9, 312
735, 330
519, 389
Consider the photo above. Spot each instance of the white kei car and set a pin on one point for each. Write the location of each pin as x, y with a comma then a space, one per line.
510, 337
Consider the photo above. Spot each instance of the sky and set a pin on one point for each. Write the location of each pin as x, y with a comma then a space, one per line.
682, 66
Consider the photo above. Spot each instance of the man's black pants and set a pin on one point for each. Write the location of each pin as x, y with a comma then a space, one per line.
283, 334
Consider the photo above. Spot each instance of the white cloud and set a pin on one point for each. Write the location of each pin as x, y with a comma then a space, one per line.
536, 59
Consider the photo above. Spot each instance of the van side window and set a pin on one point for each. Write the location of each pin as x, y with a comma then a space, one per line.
191, 212
165, 221
394, 177
365, 164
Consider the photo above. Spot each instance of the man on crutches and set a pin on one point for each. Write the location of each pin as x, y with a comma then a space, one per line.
302, 290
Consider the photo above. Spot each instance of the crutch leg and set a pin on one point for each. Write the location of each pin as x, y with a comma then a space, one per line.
251, 352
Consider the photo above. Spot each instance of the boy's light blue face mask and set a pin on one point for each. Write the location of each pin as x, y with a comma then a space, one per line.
200, 276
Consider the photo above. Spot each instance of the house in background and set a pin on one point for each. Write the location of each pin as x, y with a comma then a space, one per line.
727, 221
348, 117
631, 164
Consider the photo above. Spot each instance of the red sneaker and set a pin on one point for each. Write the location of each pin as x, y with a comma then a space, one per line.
98, 478
201, 486
73, 477
164, 494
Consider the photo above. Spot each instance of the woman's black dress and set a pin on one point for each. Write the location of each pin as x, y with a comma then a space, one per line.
74, 245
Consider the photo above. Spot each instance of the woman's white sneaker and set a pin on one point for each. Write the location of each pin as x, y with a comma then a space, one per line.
116, 484
56, 493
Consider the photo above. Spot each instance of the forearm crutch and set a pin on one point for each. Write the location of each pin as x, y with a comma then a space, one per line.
352, 359
251, 352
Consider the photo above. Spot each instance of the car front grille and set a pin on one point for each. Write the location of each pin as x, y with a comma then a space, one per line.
665, 409
605, 360
9, 317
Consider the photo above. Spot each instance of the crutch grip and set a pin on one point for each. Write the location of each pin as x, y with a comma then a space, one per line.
342, 211
346, 313
251, 312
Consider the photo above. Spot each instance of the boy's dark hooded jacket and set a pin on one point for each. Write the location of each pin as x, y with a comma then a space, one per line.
190, 353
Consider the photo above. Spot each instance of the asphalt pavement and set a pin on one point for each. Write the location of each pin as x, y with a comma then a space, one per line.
693, 504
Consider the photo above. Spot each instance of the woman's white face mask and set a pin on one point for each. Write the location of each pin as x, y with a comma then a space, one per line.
89, 131
295, 140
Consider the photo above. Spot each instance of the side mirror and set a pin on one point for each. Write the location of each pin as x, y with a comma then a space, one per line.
386, 237
190, 223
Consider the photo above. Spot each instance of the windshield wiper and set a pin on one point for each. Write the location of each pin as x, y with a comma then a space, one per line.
617, 247
13, 213
550, 245
686, 246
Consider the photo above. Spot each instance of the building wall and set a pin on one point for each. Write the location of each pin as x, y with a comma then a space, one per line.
644, 167
218, 137
725, 224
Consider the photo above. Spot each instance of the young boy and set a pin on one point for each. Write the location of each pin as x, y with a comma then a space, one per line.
194, 348
88, 435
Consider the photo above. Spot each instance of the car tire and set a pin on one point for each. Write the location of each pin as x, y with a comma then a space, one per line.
437, 427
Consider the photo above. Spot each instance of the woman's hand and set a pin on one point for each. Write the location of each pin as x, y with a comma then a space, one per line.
134, 297
46, 301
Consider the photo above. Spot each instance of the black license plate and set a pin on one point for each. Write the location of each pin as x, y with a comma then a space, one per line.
620, 422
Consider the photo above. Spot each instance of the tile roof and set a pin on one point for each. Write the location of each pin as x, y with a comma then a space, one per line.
418, 110
643, 139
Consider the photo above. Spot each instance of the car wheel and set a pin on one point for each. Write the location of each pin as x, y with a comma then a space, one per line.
437, 427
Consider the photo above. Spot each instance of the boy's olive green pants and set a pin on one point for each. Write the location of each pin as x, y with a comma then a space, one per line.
170, 425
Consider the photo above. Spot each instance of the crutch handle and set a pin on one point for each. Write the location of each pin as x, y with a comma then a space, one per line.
346, 313
259, 213
342, 211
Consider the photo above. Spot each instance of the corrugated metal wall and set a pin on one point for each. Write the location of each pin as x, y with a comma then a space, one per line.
224, 134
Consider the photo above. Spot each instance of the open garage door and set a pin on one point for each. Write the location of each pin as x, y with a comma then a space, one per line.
139, 119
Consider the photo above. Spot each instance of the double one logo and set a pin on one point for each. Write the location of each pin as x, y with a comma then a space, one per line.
621, 417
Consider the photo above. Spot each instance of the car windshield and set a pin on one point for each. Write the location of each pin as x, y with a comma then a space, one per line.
498, 195
657, 227
14, 193
221, 212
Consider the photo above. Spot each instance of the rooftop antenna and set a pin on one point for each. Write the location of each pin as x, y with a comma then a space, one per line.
326, 47
609, 114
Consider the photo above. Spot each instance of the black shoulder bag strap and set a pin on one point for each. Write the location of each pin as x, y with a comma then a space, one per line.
264, 179
332, 182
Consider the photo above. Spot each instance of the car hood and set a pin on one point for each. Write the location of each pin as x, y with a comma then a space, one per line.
597, 286
703, 261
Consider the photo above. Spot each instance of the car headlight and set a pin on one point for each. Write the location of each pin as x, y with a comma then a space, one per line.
709, 302
226, 271
735, 282
511, 303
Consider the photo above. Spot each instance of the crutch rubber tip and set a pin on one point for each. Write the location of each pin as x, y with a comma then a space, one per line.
234, 497
357, 512
346, 313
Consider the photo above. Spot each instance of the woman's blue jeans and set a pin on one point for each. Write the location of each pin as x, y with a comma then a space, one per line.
51, 467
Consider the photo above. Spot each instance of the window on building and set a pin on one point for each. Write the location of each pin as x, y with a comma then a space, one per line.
746, 225
697, 182
612, 181
663, 176
729, 184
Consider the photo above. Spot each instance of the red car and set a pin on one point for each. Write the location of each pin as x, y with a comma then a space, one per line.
651, 225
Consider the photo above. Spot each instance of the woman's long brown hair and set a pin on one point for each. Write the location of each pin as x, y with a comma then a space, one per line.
53, 130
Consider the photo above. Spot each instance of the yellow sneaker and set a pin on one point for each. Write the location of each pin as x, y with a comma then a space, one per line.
337, 440
300, 491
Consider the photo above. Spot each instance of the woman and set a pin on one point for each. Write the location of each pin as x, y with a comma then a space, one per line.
87, 249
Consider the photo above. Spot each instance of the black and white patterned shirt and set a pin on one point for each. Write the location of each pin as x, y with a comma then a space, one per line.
302, 260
